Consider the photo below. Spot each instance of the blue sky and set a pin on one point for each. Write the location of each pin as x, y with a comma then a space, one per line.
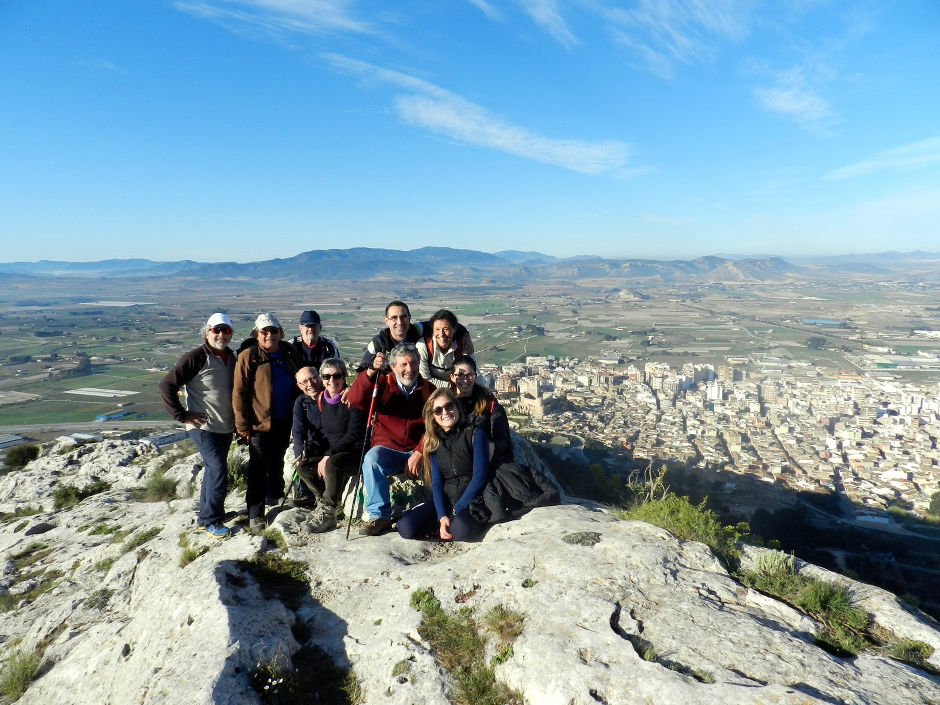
252, 129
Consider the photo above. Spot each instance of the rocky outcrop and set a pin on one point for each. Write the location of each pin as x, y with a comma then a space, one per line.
122, 621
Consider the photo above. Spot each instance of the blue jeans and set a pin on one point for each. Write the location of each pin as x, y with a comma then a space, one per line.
379, 463
213, 447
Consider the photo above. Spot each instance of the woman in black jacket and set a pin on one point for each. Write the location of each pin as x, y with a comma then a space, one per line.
328, 435
456, 459
480, 407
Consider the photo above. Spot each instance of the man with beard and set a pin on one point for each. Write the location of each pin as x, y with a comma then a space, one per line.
311, 348
205, 375
396, 430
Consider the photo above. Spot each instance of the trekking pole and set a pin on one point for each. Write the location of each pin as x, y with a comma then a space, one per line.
370, 420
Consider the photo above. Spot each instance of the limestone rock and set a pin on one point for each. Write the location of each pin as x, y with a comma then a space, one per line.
122, 621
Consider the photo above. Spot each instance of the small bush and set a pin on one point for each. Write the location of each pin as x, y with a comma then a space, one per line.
98, 600
18, 672
504, 623
18, 513
276, 538
690, 522
140, 539
104, 565
104, 528
459, 648
236, 463
67, 496
844, 626
17, 457
157, 489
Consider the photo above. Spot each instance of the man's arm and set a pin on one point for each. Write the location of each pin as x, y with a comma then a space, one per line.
185, 369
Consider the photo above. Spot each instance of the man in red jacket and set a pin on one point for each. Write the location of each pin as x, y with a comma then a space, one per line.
396, 430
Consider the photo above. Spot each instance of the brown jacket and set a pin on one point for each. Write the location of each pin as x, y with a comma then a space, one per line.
251, 390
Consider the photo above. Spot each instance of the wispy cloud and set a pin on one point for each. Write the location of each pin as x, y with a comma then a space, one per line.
444, 113
486, 8
908, 157
279, 16
103, 65
794, 96
546, 15
664, 33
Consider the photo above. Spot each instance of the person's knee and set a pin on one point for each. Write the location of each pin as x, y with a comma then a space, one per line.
407, 528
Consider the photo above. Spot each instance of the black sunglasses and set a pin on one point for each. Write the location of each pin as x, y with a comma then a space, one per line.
439, 410
221, 329
335, 375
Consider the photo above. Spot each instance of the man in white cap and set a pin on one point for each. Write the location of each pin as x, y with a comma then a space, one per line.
263, 400
205, 375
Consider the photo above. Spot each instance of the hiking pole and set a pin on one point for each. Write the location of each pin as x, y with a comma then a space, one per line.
370, 421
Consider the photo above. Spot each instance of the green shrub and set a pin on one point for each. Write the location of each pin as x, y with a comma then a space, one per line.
140, 539
236, 463
459, 648
844, 626
157, 489
690, 522
17, 457
275, 537
67, 496
19, 669
18, 513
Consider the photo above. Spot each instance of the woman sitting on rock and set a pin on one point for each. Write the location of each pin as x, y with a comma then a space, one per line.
456, 458
479, 407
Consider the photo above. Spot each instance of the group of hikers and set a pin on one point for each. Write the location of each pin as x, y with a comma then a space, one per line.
415, 408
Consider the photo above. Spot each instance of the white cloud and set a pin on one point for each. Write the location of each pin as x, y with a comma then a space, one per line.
486, 8
794, 97
546, 15
445, 113
666, 32
907, 157
277, 16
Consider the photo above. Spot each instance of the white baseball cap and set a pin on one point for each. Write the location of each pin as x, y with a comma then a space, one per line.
267, 320
219, 319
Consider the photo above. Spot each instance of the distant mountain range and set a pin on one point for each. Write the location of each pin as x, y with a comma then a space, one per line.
447, 263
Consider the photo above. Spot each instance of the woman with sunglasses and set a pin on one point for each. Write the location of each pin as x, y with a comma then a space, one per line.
336, 460
456, 458
479, 407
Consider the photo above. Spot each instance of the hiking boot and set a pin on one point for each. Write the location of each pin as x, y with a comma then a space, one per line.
217, 531
257, 524
322, 519
375, 527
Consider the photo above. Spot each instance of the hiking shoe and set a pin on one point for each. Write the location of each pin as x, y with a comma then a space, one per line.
256, 524
322, 519
375, 527
217, 531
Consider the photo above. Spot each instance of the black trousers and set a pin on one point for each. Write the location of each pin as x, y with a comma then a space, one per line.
266, 466
339, 468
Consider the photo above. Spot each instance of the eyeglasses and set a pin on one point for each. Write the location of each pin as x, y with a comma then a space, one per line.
335, 375
225, 330
270, 331
309, 382
464, 375
443, 408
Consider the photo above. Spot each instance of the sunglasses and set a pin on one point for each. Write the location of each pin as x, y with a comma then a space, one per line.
226, 330
440, 410
335, 375
270, 331
468, 375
